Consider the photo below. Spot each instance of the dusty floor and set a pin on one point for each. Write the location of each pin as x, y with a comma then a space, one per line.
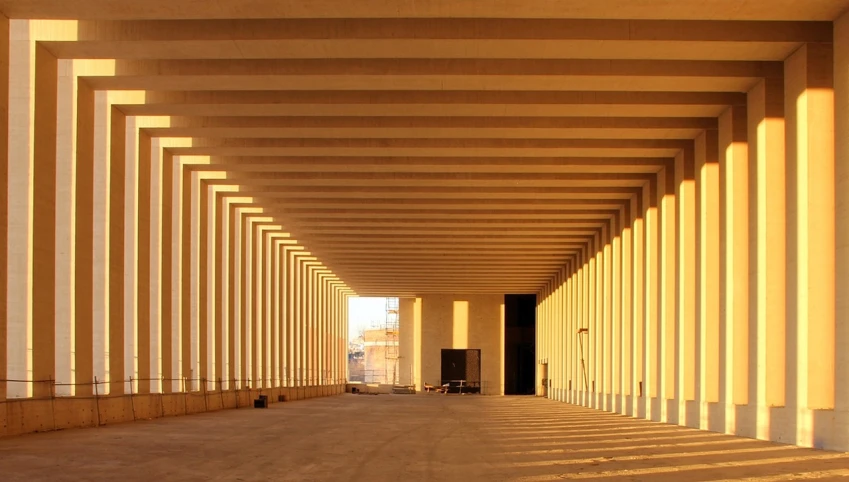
403, 437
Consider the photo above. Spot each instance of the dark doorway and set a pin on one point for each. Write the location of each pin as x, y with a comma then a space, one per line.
520, 320
461, 370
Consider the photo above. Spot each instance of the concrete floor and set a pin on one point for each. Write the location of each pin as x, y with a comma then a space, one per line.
425, 437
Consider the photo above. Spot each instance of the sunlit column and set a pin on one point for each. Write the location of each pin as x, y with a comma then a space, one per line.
767, 233
684, 343
809, 110
708, 268
607, 320
561, 333
649, 350
615, 371
568, 331
597, 319
592, 319
667, 305
38, 96
734, 259
581, 378
18, 232
627, 313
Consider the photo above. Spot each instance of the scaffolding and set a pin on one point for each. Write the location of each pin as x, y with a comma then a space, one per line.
392, 354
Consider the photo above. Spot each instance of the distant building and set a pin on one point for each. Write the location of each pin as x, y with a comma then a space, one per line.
379, 360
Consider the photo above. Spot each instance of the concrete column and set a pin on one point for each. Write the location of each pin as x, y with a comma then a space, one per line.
593, 319
45, 153
292, 329
649, 335
707, 268
615, 370
218, 292
261, 313
325, 329
224, 320
306, 321
841, 124
237, 309
257, 262
767, 248
569, 337
285, 329
247, 302
734, 260
117, 213
203, 272
626, 324
606, 352
577, 324
314, 320
581, 378
189, 279
130, 256
19, 254
667, 305
685, 292
85, 253
310, 321
290, 317
145, 278
299, 291
5, 48
319, 330
809, 101
170, 276
561, 334
276, 289
156, 275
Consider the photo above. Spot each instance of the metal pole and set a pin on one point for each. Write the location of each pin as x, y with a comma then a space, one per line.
97, 400
132, 401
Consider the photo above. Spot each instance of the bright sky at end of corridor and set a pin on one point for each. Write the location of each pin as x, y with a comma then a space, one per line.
364, 313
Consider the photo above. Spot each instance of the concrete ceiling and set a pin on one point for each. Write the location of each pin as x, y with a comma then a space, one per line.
439, 145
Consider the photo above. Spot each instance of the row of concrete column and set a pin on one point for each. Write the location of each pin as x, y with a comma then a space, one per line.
716, 299
124, 262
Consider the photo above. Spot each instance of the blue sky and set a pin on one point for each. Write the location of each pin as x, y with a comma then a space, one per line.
365, 313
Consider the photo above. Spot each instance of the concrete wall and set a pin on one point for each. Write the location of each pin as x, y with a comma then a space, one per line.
462, 321
41, 415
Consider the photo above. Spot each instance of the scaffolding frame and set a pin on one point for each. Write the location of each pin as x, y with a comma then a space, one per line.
392, 350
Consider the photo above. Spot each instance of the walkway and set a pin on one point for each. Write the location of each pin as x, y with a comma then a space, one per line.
406, 438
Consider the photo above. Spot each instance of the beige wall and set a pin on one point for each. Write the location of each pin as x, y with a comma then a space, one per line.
462, 321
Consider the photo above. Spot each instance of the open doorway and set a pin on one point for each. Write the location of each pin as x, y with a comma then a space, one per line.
373, 344
520, 344
461, 370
